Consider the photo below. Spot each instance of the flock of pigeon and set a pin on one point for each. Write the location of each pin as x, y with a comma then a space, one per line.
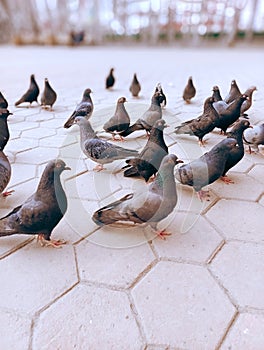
41, 212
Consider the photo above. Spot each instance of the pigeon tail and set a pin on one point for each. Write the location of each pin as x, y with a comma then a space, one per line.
183, 129
131, 129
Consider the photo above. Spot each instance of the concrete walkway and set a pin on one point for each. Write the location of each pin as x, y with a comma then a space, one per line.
123, 288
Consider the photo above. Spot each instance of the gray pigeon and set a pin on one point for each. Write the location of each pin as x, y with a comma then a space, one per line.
219, 105
4, 131
48, 96
189, 91
42, 211
207, 168
247, 104
234, 92
230, 114
5, 173
202, 125
110, 79
152, 114
120, 120
31, 95
135, 86
148, 207
149, 159
98, 150
3, 101
237, 153
254, 137
163, 98
83, 109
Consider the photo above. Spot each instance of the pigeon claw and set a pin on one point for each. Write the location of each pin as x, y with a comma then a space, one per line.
98, 167
50, 243
227, 180
203, 195
162, 234
7, 193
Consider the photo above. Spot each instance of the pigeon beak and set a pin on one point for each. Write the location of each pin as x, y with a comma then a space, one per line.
67, 168
166, 126
179, 161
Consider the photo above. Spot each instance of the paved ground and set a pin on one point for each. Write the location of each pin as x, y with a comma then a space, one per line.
117, 288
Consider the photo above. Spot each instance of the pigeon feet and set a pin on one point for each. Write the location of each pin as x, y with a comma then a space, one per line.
227, 180
98, 167
50, 243
162, 234
7, 193
203, 195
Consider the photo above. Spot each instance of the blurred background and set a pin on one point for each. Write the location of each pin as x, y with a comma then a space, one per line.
148, 22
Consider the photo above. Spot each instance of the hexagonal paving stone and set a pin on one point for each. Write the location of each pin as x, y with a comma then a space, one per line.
21, 173
37, 155
34, 276
20, 145
234, 191
257, 172
239, 267
92, 185
15, 331
192, 239
238, 219
247, 333
93, 318
118, 266
181, 305
38, 133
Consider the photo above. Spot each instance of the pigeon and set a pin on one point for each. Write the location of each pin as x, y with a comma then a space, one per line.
31, 95
98, 150
149, 159
83, 109
4, 131
231, 114
110, 79
148, 119
207, 168
234, 92
148, 207
3, 101
163, 98
254, 137
247, 104
189, 91
48, 96
42, 211
202, 125
237, 153
219, 105
5, 174
135, 86
120, 120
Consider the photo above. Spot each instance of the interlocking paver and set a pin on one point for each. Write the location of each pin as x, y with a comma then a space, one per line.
93, 318
193, 239
173, 299
236, 219
246, 333
41, 274
15, 330
239, 267
118, 267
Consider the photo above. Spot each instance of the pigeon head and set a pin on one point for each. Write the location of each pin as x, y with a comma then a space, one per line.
229, 143
170, 160
160, 124
58, 165
215, 88
122, 100
32, 77
87, 92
